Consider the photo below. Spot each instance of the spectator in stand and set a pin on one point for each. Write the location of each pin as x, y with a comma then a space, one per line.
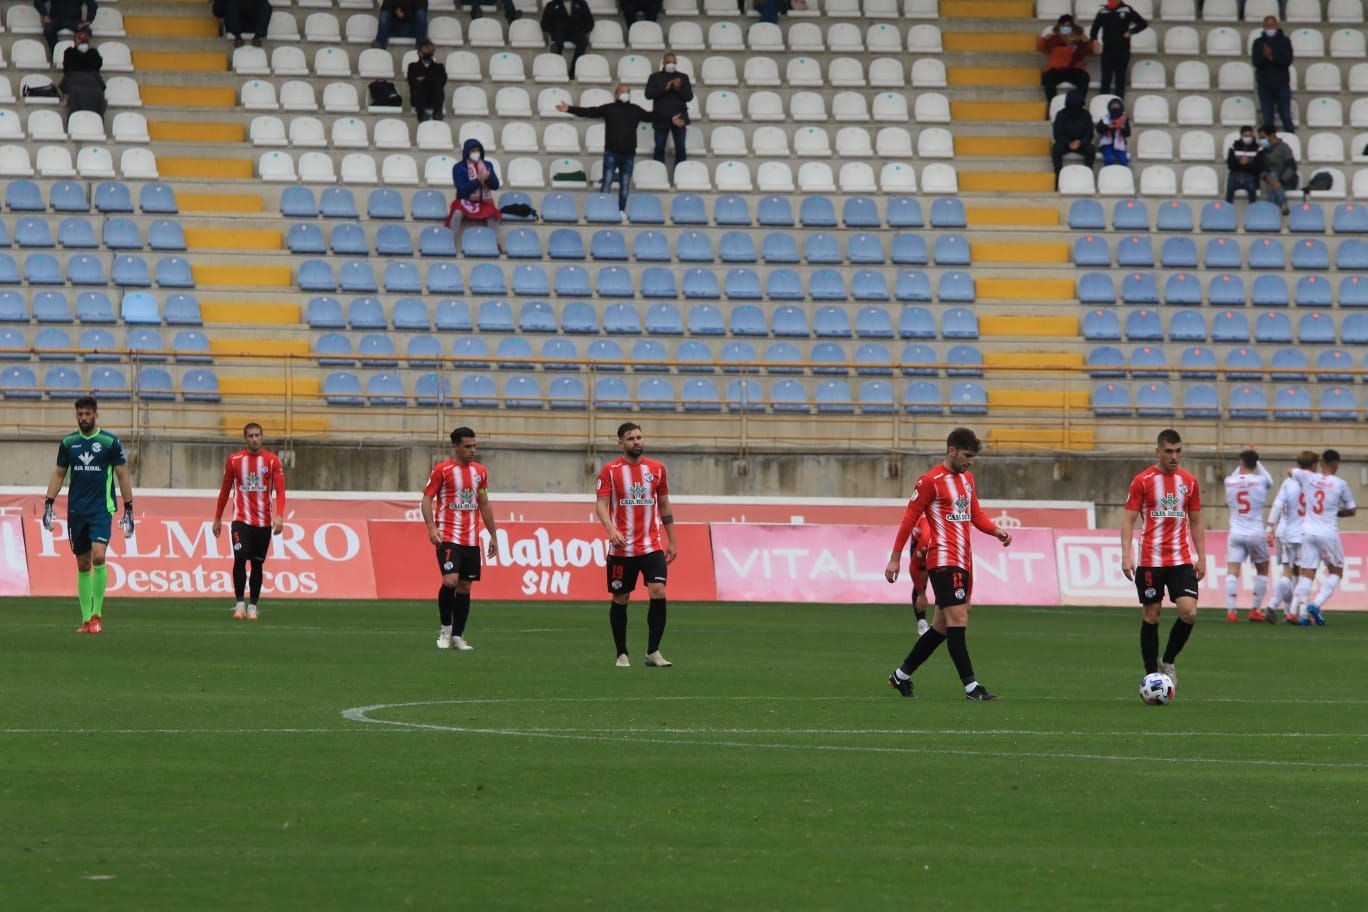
771, 10
1278, 166
632, 10
63, 14
82, 85
476, 180
671, 93
427, 83
510, 11
1116, 22
568, 22
1113, 130
1272, 56
1066, 51
242, 16
620, 118
1244, 166
407, 18
1073, 133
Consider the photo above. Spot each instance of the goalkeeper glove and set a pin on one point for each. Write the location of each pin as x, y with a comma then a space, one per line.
49, 515
126, 521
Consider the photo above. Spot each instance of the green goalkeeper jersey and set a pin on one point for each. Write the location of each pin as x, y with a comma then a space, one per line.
90, 461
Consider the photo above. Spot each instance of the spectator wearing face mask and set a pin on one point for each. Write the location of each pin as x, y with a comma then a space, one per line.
82, 85
407, 18
567, 22
1073, 133
57, 15
427, 83
620, 120
1277, 165
1113, 132
1244, 166
1066, 51
1116, 23
671, 93
1272, 56
476, 180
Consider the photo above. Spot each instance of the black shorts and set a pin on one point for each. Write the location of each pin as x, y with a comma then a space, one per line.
251, 542
1150, 583
623, 571
952, 586
85, 530
463, 560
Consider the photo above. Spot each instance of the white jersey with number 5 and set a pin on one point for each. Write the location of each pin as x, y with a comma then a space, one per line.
1246, 493
1324, 497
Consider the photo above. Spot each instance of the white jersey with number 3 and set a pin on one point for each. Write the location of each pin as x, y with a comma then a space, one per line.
1324, 496
1246, 493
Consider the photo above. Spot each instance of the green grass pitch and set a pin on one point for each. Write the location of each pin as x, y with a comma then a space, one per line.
184, 761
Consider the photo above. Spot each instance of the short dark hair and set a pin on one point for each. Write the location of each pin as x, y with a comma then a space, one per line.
1067, 17
461, 433
625, 427
962, 438
1167, 437
1330, 456
1249, 127
1249, 458
87, 402
1268, 129
252, 424
1306, 459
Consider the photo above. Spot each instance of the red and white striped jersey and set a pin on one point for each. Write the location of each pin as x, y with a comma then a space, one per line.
950, 505
250, 478
633, 495
1164, 502
455, 488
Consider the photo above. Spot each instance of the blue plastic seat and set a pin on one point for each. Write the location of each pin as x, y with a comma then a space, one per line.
53, 344
562, 349
48, 307
97, 344
191, 346
747, 320
1354, 329
1350, 218
42, 269
1096, 288
705, 319
1305, 218
964, 361
876, 397
968, 398
1244, 363
1218, 216
559, 207
869, 285
158, 198
422, 351
572, 282
487, 279
1111, 400
734, 247
1182, 289
1135, 251
297, 202
1316, 328
1288, 364
494, 316
738, 358
334, 349
437, 241
904, 212
430, 206
325, 313
470, 352
645, 209
174, 272
384, 203
606, 355
522, 391
13, 345
656, 282
923, 397
365, 313
701, 283
621, 317
410, 314
699, 394
507, 198
94, 307
394, 240
567, 393
531, 280
834, 397
1310, 253
1226, 290
1105, 361
33, 231
77, 233
1197, 363
606, 244
1269, 291
477, 391
1352, 292
358, 276
779, 247
452, 315
951, 250
1273, 327
789, 396
655, 394
955, 287
85, 269
1154, 400
579, 317
731, 210
1188, 325
782, 358
377, 350
349, 239
1267, 253
1086, 215
912, 285
432, 389
612, 393
337, 202
959, 323
916, 323
784, 285
873, 359
649, 357
1229, 326
1338, 403
873, 323
24, 196
860, 212
826, 285
1130, 215
1141, 326
789, 321
1352, 255
742, 285
1262, 216
822, 248
775, 211
111, 197
1313, 291
664, 320
19, 382
919, 360
61, 380
692, 247
13, 309
1178, 253
865, 248
165, 234
109, 383
616, 282
694, 357
1331, 365
139, 307
523, 244
536, 317
1248, 402
1091, 250
688, 209
513, 353
302, 238
385, 389
816, 212
602, 209
1139, 288
948, 212
1148, 361
831, 323
1173, 215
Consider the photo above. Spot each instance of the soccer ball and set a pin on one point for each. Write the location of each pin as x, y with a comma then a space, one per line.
1157, 689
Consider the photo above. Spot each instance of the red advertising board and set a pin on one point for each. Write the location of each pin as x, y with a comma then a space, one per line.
14, 578
559, 561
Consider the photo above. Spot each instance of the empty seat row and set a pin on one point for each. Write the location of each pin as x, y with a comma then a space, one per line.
110, 197
1245, 401
90, 162
47, 125
125, 270
1223, 290
18, 381
48, 306
1332, 365
1220, 252
78, 232
54, 343
1270, 327
1176, 215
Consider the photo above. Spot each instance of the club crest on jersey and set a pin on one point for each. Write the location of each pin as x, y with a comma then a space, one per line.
95, 447
1183, 489
961, 513
1168, 508
637, 495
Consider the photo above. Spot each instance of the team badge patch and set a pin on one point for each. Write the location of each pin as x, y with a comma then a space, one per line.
959, 593
448, 566
616, 584
1150, 593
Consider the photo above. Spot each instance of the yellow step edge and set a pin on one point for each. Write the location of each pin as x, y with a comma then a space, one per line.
219, 202
984, 215
187, 97
1073, 438
1006, 182
998, 111
229, 276
1002, 147
267, 386
1026, 360
259, 346
1062, 290
212, 168
181, 61
987, 42
1027, 326
977, 9
207, 132
170, 27
992, 76
232, 239
233, 313
1002, 252
1038, 399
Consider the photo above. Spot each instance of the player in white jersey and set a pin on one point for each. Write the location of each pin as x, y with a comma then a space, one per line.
1284, 530
1327, 498
1246, 491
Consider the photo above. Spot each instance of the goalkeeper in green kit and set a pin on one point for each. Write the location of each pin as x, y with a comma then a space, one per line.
94, 458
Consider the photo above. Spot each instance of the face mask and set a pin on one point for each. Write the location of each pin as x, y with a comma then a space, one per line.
475, 155
1246, 139
624, 97
1264, 144
1066, 29
1115, 112
670, 67
83, 46
1270, 32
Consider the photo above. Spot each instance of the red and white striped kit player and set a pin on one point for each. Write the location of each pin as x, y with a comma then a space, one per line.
1164, 502
633, 494
950, 504
455, 488
251, 477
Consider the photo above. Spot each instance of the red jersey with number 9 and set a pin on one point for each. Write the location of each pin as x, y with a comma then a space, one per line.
633, 495
456, 489
1164, 502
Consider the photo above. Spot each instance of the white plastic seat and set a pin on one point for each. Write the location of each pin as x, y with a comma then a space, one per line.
437, 170
463, 66
1179, 10
1151, 110
920, 9
35, 82
373, 63
887, 73
846, 8
486, 32
358, 168
893, 142
849, 107
1116, 180
634, 70
513, 101
761, 71
928, 73
649, 175
718, 71
130, 127
692, 176
279, 167
508, 67
846, 72
1145, 43
1154, 145
939, 178
853, 142
1220, 11
935, 142
680, 7
1196, 145
1338, 185
307, 133
1323, 112
478, 130
288, 60
546, 68
469, 101
120, 92
55, 161
1201, 181
117, 57
686, 36
297, 95
733, 177
445, 31
1182, 41
770, 177
267, 130
856, 177
722, 36
362, 28
1237, 111
886, 38
23, 19
723, 106
770, 142
1076, 180
645, 35
764, 37
1224, 42
1192, 76
727, 142
259, 95
46, 126
10, 126
899, 177
1325, 147
816, 177
592, 69
1307, 43
1323, 77
399, 169
341, 98
1336, 11
522, 33
808, 107
322, 28
765, 106
558, 138
812, 142
1360, 188
930, 107
14, 161
28, 54
139, 164
547, 99
803, 38
1237, 76
392, 133
1194, 111
331, 61
803, 72
283, 26
250, 61
1358, 113
350, 133
924, 39
108, 23
526, 173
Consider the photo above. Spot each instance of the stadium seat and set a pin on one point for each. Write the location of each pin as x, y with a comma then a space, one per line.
1111, 400
1243, 363
1154, 400
1288, 364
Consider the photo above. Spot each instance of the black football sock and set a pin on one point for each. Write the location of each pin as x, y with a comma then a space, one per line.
460, 605
255, 582
655, 624
239, 576
1178, 637
446, 603
1149, 646
617, 618
919, 612
959, 653
926, 644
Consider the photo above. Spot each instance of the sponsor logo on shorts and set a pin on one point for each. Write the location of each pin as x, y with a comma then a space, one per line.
959, 593
1150, 593
448, 565
615, 585
237, 546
